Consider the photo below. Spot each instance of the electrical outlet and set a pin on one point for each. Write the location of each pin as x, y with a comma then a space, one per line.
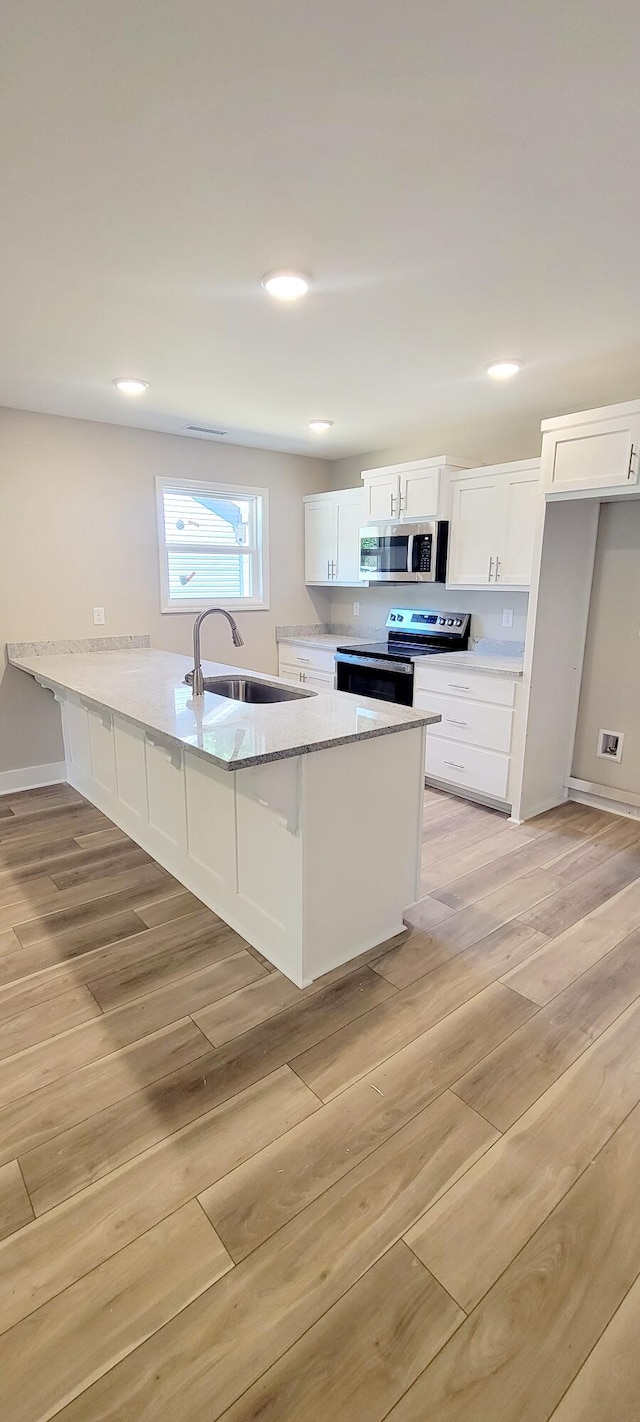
507, 617
98, 617
356, 609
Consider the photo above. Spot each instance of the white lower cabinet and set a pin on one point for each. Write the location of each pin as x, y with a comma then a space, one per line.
307, 666
470, 748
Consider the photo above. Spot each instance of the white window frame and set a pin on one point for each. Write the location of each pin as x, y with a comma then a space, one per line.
259, 554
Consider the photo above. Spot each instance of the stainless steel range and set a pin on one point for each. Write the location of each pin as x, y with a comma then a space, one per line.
384, 670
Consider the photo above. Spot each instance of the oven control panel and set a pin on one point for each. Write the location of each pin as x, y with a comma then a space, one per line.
419, 621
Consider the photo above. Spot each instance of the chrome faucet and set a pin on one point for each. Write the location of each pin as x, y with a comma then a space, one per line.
238, 641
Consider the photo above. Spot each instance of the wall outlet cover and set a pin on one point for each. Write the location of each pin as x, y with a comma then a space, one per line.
98, 617
507, 617
356, 609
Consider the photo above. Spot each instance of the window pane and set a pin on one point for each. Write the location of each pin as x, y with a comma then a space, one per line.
206, 518
208, 577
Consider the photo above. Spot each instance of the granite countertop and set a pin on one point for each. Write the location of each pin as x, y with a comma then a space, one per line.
326, 641
147, 687
475, 662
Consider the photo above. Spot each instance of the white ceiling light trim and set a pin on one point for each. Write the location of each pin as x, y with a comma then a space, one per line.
320, 426
503, 369
286, 285
129, 385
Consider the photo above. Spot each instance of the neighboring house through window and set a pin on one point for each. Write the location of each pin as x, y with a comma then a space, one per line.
213, 543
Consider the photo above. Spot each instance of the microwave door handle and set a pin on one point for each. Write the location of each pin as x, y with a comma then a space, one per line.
410, 552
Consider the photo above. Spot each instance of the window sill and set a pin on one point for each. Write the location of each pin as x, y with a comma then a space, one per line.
230, 605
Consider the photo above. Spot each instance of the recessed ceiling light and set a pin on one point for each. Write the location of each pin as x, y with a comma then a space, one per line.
320, 426
128, 385
503, 369
286, 286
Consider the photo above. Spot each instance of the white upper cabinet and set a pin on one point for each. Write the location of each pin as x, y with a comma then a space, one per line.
382, 490
494, 522
521, 506
419, 490
475, 521
592, 451
319, 539
332, 525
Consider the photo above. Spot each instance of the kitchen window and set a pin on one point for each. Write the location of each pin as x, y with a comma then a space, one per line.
213, 544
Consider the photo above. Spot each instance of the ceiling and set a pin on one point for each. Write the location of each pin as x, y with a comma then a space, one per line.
461, 179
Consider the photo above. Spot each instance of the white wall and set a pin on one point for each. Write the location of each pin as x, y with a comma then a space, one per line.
610, 693
78, 530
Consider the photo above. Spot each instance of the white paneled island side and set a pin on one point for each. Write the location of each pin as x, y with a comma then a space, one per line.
298, 822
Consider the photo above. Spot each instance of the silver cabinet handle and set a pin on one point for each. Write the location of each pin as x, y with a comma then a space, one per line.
450, 722
630, 469
497, 568
457, 686
490, 569
303, 676
304, 659
333, 568
454, 765
400, 510
393, 499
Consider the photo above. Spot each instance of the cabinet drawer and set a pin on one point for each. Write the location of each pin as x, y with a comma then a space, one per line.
471, 722
308, 658
497, 689
301, 676
469, 767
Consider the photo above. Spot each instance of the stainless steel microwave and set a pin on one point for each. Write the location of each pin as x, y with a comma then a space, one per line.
404, 552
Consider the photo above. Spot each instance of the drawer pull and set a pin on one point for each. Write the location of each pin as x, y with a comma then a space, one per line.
450, 722
457, 686
454, 765
304, 659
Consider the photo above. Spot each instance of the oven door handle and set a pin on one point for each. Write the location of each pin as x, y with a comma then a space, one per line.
405, 668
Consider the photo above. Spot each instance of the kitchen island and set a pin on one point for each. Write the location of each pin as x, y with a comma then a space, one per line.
298, 821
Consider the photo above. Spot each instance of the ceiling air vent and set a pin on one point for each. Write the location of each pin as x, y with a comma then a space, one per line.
203, 430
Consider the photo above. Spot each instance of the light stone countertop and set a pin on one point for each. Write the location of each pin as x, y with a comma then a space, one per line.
326, 641
474, 662
147, 687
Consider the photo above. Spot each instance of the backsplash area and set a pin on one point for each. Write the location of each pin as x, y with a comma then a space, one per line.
485, 607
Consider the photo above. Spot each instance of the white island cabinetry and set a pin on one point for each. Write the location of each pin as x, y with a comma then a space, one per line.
265, 812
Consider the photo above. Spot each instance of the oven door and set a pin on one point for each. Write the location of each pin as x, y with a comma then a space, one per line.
393, 553
375, 677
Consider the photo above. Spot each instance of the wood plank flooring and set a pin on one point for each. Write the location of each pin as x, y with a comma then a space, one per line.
406, 1192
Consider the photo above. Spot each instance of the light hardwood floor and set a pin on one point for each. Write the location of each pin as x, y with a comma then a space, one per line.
409, 1191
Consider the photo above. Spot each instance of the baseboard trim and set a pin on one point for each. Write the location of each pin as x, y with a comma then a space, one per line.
603, 797
31, 777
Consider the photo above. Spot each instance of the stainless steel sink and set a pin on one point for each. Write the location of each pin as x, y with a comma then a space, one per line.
245, 688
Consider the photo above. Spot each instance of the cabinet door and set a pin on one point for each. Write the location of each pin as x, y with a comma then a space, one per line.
475, 531
522, 498
382, 495
419, 491
350, 515
319, 541
594, 456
